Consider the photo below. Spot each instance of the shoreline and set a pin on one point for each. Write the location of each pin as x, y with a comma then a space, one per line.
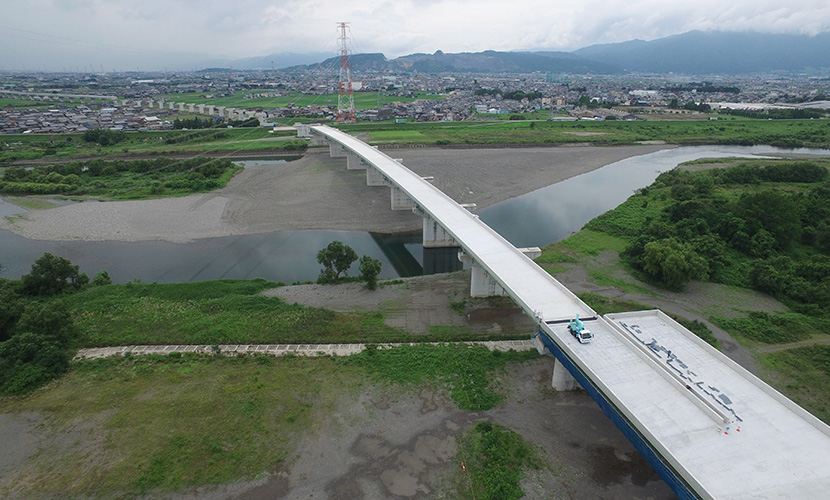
317, 192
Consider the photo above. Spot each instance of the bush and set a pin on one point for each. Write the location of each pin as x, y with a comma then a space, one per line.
104, 137
369, 270
101, 279
29, 360
496, 457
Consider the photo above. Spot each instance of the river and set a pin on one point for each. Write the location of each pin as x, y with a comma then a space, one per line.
538, 218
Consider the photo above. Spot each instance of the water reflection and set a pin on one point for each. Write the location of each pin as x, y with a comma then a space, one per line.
553, 213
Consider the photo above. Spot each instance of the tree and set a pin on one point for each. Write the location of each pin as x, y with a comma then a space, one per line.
673, 263
51, 275
52, 320
11, 309
336, 259
369, 270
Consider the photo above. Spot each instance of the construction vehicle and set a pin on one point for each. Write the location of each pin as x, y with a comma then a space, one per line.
578, 330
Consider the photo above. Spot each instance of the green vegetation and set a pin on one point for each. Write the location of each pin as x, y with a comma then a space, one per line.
762, 224
369, 269
336, 259
121, 179
37, 332
467, 371
186, 420
805, 376
780, 328
495, 459
754, 224
783, 133
247, 99
181, 420
104, 137
222, 312
26, 103
225, 140
29, 203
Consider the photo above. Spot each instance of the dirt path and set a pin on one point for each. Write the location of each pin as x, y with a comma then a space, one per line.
793, 345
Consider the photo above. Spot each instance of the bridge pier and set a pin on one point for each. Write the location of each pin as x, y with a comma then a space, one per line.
355, 162
434, 234
562, 379
201, 108
190, 107
220, 110
181, 107
336, 150
400, 200
481, 283
375, 178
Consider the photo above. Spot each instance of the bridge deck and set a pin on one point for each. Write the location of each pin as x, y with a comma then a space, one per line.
770, 448
534, 290
724, 432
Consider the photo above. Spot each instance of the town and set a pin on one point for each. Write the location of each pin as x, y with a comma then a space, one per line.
51, 103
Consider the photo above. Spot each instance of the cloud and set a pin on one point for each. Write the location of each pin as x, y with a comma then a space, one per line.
157, 33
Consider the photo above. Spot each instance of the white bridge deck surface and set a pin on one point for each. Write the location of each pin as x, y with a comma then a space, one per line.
776, 449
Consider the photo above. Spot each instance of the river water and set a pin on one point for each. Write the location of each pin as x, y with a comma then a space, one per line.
536, 219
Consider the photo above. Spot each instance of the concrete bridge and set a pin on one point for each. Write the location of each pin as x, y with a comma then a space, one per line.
46, 96
147, 103
709, 428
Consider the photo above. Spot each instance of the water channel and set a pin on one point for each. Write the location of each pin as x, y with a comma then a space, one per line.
538, 218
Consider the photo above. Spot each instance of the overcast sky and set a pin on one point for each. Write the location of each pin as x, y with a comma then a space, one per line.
182, 34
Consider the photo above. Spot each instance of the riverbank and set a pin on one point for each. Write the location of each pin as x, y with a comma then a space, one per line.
317, 192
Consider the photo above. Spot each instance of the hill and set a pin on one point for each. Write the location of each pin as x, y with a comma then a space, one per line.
716, 52
693, 53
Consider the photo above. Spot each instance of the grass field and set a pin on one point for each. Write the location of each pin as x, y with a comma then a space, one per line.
362, 100
122, 426
784, 133
26, 103
173, 421
803, 374
65, 146
225, 312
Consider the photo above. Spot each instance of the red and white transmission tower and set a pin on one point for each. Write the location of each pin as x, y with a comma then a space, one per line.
345, 94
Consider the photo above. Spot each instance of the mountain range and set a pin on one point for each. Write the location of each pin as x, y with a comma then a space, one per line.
691, 53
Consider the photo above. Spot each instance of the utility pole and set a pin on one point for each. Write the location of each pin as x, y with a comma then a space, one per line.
345, 93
